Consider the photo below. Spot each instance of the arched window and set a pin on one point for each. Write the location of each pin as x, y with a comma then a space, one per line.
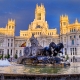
71, 50
74, 36
50, 33
72, 42
70, 37
75, 51
11, 52
74, 30
39, 16
40, 33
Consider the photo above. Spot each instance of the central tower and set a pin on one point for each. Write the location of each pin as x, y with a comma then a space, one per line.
40, 12
39, 20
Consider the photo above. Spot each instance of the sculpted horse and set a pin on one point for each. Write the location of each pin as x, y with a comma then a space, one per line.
57, 49
53, 49
47, 51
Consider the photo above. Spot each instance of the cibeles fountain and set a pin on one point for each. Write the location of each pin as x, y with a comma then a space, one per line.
36, 54
4, 63
39, 58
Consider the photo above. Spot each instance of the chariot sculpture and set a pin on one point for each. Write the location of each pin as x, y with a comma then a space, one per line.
37, 54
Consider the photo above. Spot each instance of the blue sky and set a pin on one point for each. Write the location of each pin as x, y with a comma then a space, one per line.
23, 12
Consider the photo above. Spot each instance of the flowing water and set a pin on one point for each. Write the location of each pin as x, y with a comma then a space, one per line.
30, 69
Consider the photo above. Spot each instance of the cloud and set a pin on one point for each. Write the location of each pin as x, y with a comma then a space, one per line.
23, 11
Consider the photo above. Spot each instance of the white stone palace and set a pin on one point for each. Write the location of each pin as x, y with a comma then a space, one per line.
69, 35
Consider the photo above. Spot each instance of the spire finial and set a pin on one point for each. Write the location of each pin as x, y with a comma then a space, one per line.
37, 5
76, 21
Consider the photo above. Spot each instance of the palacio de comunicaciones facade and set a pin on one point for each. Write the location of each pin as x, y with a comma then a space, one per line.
69, 35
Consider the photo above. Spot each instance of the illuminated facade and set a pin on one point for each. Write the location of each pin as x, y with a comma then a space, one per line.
7, 38
69, 35
40, 28
9, 43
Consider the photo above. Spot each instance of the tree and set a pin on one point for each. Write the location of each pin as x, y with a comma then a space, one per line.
67, 57
15, 56
0, 56
8, 56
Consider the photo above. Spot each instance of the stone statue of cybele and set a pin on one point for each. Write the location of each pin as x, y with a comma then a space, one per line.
34, 41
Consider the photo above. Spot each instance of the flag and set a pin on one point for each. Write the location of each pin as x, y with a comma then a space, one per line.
23, 45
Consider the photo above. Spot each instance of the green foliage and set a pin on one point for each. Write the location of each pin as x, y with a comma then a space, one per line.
0, 56
67, 57
7, 56
15, 56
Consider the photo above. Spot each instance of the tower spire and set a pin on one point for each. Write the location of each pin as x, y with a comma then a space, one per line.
40, 12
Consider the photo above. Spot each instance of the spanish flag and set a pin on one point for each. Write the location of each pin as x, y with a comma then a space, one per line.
23, 45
